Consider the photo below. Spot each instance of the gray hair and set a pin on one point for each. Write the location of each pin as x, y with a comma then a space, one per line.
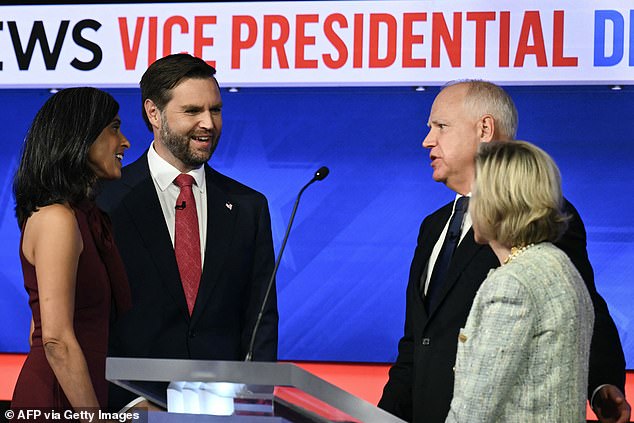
485, 97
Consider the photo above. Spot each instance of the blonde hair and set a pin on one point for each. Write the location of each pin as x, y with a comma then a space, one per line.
517, 197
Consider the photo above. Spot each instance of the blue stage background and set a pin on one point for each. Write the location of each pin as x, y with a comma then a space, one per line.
341, 284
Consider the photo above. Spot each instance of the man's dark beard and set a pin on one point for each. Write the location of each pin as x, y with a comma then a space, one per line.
178, 145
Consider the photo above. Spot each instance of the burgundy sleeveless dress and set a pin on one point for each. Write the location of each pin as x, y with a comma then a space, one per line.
101, 286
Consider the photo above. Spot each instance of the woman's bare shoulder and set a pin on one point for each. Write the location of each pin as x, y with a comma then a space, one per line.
50, 226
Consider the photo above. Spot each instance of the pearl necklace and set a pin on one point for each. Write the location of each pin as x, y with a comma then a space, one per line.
516, 251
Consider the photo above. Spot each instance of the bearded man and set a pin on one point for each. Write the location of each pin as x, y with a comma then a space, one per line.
196, 244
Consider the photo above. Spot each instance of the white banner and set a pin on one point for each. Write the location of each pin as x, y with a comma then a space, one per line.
326, 43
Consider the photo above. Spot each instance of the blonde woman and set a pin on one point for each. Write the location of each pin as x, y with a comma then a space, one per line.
523, 353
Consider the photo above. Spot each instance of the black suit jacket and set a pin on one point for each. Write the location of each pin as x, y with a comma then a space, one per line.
238, 264
420, 385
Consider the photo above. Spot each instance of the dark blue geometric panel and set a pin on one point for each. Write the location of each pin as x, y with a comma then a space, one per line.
341, 282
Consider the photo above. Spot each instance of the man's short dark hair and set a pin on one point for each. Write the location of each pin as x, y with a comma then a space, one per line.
166, 73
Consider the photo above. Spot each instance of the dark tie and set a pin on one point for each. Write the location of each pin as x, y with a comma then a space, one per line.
446, 252
187, 239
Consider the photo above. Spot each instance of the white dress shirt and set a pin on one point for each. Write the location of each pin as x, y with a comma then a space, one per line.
163, 175
466, 225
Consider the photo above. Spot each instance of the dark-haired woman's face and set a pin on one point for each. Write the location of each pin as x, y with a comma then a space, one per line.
106, 153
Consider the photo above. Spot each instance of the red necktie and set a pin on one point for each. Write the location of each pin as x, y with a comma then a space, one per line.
187, 239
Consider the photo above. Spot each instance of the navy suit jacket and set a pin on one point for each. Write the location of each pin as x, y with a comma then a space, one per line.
238, 264
420, 385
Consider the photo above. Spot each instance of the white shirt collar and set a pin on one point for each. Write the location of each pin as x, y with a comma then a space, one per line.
458, 196
164, 173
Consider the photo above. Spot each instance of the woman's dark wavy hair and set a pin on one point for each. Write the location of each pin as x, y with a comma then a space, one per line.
54, 164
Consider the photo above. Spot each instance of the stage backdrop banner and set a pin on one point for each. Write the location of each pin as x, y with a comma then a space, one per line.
325, 43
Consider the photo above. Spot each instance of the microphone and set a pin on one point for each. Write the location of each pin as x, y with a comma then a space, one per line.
181, 206
320, 175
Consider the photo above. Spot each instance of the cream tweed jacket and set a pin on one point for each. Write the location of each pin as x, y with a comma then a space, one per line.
523, 353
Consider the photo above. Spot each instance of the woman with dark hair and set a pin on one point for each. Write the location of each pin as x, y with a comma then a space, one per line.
72, 271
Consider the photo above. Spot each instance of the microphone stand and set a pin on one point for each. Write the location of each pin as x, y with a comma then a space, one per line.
319, 175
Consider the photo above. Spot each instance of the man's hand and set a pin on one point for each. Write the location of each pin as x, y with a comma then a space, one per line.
610, 405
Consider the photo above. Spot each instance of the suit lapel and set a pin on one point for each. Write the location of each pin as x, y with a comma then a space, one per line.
222, 213
430, 233
464, 254
144, 207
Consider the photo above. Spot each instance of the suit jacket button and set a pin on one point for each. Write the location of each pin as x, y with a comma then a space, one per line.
426, 341
192, 334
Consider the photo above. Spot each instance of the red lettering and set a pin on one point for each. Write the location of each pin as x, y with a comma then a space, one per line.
505, 39
335, 40
453, 44
237, 43
278, 44
376, 19
558, 42
357, 60
409, 39
480, 19
152, 38
168, 26
200, 40
130, 51
531, 24
302, 40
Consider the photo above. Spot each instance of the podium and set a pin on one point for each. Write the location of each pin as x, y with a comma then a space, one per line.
261, 392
